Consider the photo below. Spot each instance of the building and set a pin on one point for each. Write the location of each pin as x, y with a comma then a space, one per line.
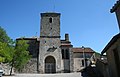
50, 53
113, 56
112, 49
116, 9
82, 57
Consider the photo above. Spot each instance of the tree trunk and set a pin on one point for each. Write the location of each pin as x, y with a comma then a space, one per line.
11, 67
11, 70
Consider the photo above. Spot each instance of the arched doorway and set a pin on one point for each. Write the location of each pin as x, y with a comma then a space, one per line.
50, 64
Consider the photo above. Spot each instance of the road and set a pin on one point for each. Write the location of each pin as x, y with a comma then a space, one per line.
48, 75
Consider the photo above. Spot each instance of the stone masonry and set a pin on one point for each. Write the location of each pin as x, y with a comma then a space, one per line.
50, 42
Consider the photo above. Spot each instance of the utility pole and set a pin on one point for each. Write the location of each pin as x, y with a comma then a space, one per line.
83, 48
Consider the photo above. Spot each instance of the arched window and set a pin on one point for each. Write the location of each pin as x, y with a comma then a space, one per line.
50, 20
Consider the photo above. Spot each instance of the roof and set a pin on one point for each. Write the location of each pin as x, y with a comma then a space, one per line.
28, 38
81, 50
114, 8
50, 14
66, 43
113, 40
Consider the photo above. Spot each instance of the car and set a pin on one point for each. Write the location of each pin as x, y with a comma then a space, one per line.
1, 72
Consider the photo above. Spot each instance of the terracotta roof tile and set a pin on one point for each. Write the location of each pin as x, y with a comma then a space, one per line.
80, 50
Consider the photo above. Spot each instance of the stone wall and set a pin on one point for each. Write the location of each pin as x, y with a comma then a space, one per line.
111, 56
50, 40
6, 68
102, 68
30, 67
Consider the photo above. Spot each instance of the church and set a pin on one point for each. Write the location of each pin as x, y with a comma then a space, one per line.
50, 53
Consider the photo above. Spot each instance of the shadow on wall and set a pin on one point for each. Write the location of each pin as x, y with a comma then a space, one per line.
90, 72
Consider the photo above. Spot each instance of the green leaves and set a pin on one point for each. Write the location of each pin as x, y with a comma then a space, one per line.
5, 52
4, 38
21, 54
17, 56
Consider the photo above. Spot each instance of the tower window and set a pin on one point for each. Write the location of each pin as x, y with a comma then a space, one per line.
50, 20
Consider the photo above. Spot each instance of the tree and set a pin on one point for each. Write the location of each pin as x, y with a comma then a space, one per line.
4, 38
16, 56
6, 46
6, 52
21, 56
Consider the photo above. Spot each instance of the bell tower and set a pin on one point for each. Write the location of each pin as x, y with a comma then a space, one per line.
50, 25
49, 50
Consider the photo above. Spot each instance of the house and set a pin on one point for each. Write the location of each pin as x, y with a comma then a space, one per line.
112, 49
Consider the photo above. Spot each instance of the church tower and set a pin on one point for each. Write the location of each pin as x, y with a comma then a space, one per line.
49, 50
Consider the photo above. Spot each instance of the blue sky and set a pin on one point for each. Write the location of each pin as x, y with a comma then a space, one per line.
88, 22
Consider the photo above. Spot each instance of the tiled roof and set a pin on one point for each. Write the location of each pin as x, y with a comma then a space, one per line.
81, 50
115, 6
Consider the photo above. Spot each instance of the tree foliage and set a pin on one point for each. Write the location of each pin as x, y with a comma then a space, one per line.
4, 38
6, 46
21, 56
15, 54
6, 52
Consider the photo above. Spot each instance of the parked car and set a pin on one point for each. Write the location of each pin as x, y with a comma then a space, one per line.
1, 72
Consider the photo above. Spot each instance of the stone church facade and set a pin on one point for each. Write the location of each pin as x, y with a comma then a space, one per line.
50, 54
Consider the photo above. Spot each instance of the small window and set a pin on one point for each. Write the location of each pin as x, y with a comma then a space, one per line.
82, 62
45, 41
50, 20
67, 54
63, 54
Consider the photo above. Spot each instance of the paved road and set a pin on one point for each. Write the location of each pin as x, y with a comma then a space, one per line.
48, 75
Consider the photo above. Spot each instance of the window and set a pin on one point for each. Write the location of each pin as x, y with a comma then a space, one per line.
65, 54
50, 20
82, 62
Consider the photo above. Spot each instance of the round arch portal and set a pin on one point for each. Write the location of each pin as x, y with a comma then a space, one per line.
50, 64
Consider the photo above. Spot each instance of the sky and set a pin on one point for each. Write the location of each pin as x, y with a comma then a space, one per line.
89, 23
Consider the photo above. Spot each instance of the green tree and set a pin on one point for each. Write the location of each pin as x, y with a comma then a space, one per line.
6, 46
6, 52
16, 55
21, 56
4, 38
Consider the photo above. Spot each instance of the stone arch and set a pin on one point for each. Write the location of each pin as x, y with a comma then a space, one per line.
50, 64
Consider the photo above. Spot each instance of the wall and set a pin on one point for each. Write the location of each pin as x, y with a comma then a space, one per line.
30, 67
102, 68
6, 68
78, 57
78, 64
111, 58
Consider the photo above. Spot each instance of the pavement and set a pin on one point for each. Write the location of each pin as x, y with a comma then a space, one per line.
48, 75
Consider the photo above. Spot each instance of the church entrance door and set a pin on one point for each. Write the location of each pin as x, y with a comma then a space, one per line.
50, 65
